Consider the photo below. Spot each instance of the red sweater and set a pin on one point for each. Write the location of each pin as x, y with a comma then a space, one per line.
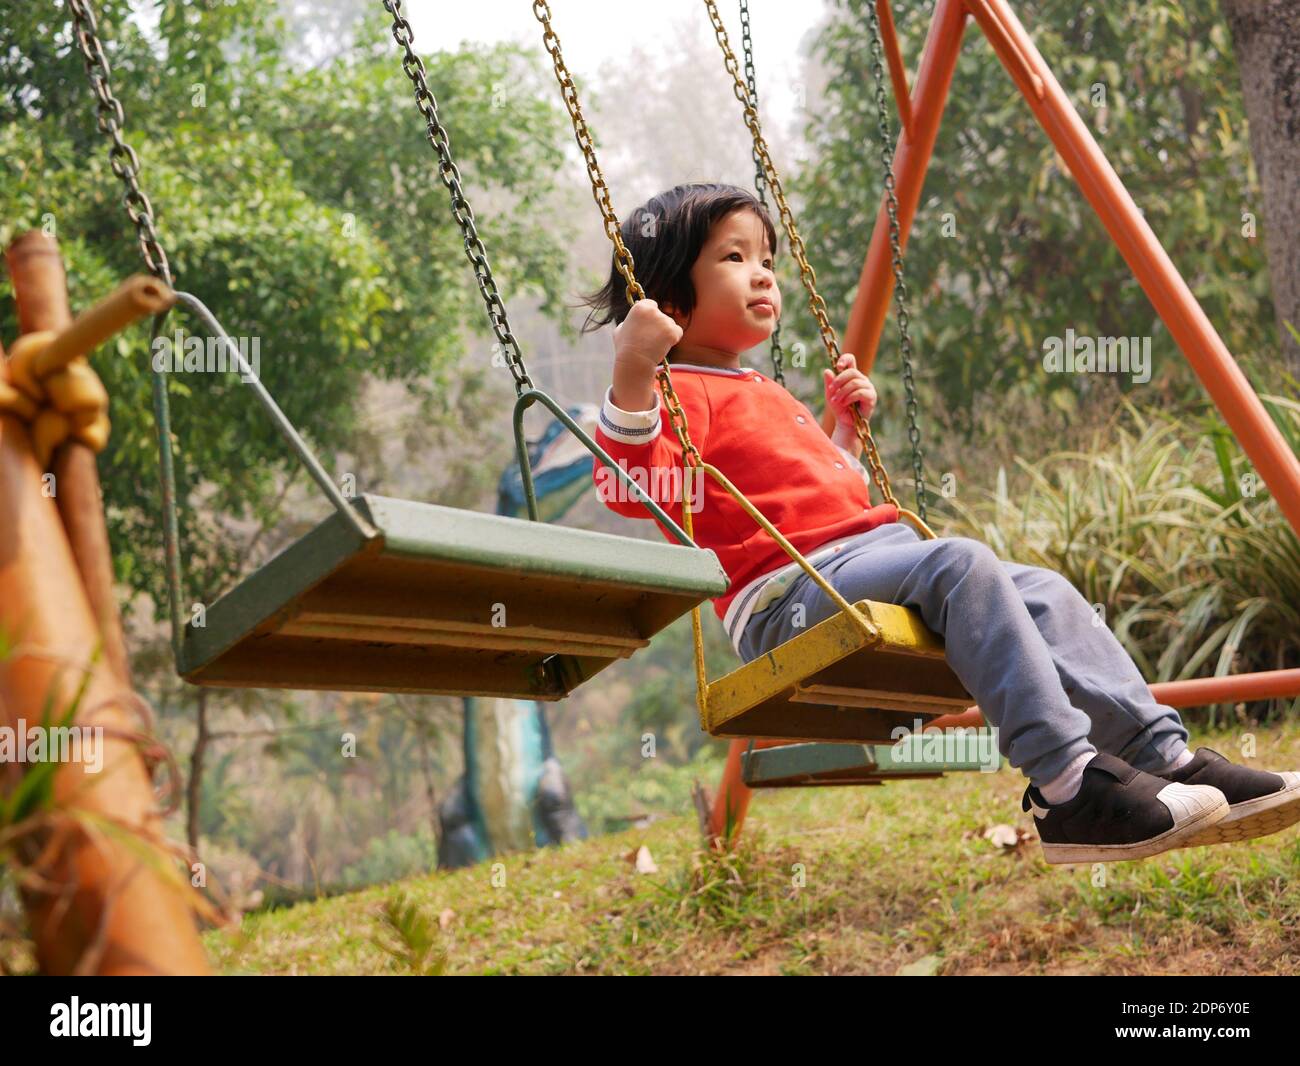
767, 443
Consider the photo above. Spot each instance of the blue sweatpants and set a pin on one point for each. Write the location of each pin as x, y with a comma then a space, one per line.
1042, 666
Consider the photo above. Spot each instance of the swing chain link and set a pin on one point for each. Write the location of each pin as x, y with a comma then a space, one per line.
475, 251
778, 353
901, 313
622, 257
122, 158
806, 274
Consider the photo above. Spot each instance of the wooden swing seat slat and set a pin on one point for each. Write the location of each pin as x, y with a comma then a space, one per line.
833, 683
445, 601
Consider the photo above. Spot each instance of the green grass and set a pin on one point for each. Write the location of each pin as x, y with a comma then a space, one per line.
893, 877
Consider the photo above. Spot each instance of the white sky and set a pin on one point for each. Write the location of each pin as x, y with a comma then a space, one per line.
591, 31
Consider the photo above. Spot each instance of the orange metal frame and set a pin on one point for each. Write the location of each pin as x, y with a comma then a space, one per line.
920, 113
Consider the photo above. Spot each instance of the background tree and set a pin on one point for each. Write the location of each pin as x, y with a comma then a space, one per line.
1005, 251
302, 205
1266, 36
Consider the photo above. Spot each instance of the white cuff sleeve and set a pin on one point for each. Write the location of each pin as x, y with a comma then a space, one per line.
842, 436
855, 462
629, 427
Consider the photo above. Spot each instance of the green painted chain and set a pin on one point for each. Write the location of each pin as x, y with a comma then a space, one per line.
778, 353
413, 65
900, 285
122, 157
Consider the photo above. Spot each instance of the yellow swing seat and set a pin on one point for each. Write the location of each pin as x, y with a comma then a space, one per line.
838, 683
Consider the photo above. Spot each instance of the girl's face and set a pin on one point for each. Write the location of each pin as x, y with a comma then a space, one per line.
737, 302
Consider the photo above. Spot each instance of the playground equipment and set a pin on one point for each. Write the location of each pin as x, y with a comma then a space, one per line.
820, 765
103, 893
740, 704
832, 681
920, 109
393, 595
780, 765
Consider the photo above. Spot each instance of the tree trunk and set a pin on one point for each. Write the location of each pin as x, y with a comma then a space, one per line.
195, 790
1266, 36
427, 770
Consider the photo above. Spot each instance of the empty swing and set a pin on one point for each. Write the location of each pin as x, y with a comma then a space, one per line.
389, 595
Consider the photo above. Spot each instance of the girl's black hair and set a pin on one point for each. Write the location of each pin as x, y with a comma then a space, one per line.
665, 235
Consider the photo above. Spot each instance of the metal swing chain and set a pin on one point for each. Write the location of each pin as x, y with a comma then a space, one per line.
778, 353
895, 243
126, 165
677, 417
413, 65
622, 257
122, 157
806, 274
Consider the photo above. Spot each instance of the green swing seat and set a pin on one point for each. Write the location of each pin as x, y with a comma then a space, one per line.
445, 601
823, 765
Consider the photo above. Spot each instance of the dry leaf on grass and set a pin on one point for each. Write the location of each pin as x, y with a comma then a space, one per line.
1007, 836
642, 860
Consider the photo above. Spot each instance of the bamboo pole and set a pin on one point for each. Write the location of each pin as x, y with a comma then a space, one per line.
146, 923
40, 288
107, 896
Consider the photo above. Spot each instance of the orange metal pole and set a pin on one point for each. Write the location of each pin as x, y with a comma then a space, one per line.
1173, 300
897, 71
1164, 286
911, 160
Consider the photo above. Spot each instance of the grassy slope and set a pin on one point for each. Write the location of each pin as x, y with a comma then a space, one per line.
894, 876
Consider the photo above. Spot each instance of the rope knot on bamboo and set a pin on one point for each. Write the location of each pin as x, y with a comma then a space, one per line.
61, 400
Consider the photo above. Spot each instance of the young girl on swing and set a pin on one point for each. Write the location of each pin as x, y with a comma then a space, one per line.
1110, 774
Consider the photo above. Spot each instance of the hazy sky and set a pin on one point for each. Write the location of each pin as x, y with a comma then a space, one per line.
591, 32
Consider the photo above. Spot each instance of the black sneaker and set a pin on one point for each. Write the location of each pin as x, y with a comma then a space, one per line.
1122, 813
1260, 802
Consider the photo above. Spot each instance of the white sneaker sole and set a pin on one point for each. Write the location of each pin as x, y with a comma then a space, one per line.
1255, 818
1197, 810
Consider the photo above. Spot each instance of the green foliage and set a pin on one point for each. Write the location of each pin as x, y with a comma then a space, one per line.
655, 786
303, 206
1161, 522
223, 805
739, 890
1025, 257
413, 938
392, 856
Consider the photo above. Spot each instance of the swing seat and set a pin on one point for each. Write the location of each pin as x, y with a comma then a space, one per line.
834, 683
445, 601
821, 765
